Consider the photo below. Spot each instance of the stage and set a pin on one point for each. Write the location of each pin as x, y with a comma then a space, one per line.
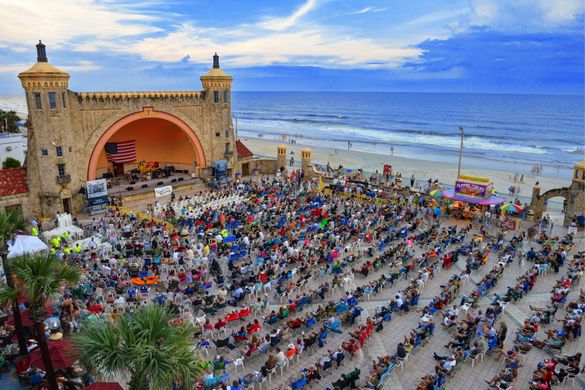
125, 187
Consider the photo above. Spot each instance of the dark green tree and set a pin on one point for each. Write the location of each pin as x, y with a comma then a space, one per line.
10, 162
8, 121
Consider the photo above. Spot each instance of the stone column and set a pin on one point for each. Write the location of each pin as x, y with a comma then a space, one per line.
281, 158
306, 162
535, 204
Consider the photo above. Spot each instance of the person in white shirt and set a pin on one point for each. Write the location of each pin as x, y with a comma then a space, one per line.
280, 356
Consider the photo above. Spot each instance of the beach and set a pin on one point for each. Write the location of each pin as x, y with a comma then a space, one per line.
421, 168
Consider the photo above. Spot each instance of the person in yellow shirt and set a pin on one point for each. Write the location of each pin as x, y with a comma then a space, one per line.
77, 248
68, 250
35, 231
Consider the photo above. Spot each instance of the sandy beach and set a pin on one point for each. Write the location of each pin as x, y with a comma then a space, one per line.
422, 169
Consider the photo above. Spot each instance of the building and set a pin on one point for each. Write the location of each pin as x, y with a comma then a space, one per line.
69, 131
12, 145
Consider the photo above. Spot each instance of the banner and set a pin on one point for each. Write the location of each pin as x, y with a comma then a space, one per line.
97, 188
163, 191
473, 189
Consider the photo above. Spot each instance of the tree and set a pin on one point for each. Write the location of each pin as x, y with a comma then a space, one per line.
10, 162
39, 278
10, 223
143, 346
8, 121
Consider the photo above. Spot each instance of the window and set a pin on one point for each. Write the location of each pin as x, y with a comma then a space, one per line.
227, 133
45, 152
227, 147
59, 151
61, 169
225, 96
70, 149
216, 96
38, 101
64, 98
217, 134
52, 100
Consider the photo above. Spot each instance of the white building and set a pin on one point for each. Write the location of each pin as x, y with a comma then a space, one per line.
12, 145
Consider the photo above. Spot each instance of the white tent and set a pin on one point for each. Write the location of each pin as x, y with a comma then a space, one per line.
25, 244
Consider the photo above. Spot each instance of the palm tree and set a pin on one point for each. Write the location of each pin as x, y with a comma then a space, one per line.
8, 121
143, 346
10, 223
39, 278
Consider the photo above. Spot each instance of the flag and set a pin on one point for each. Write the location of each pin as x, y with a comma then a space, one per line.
121, 152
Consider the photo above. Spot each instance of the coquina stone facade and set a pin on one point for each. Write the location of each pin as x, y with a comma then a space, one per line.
69, 129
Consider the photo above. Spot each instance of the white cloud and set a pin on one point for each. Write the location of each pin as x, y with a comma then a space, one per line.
80, 66
368, 10
319, 46
279, 24
524, 14
59, 22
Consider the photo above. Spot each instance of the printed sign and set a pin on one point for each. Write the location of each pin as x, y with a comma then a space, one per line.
473, 189
163, 191
97, 188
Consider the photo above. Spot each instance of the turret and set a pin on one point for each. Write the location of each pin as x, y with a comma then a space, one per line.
217, 84
51, 147
281, 158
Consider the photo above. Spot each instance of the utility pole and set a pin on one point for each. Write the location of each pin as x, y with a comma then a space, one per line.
460, 153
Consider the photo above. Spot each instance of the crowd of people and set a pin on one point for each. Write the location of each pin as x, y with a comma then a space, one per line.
275, 269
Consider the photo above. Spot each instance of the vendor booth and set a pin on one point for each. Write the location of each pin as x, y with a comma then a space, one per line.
471, 196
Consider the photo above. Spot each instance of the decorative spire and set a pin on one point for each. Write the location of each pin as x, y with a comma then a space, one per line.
215, 61
41, 52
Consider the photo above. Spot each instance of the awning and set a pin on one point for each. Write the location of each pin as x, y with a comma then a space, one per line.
492, 199
25, 245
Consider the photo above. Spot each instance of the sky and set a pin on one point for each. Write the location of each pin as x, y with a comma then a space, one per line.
479, 46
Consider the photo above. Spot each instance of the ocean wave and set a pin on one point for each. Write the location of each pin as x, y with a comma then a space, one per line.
344, 133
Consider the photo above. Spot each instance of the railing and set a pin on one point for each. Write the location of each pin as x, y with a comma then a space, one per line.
63, 178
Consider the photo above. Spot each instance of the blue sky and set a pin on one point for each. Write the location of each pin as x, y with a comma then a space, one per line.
495, 46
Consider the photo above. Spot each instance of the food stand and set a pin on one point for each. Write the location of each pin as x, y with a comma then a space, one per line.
471, 196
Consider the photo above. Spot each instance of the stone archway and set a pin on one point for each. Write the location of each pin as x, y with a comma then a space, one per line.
147, 113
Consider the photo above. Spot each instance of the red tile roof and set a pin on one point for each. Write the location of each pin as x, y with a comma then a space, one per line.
13, 181
243, 151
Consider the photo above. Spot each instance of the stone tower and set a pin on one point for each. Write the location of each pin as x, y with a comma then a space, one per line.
281, 158
51, 147
306, 163
217, 90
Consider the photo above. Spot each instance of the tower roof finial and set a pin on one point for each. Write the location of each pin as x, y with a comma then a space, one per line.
216, 61
41, 52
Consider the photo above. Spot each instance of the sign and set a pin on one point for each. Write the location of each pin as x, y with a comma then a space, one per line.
97, 201
97, 188
387, 169
163, 191
475, 190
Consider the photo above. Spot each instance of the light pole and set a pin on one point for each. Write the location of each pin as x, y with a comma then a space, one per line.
460, 153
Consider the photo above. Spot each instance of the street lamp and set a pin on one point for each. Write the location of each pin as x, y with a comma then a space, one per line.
460, 153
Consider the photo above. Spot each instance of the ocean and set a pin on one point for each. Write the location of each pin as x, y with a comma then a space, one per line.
504, 132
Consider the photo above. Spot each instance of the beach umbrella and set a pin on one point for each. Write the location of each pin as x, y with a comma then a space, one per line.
512, 208
62, 355
436, 193
104, 386
26, 318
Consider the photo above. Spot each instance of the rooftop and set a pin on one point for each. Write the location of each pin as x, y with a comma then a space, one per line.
13, 181
243, 151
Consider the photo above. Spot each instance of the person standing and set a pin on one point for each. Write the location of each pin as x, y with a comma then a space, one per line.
412, 180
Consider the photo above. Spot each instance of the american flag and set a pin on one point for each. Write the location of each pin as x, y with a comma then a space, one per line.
121, 152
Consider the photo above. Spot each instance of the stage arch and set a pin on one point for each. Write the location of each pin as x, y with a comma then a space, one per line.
145, 116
